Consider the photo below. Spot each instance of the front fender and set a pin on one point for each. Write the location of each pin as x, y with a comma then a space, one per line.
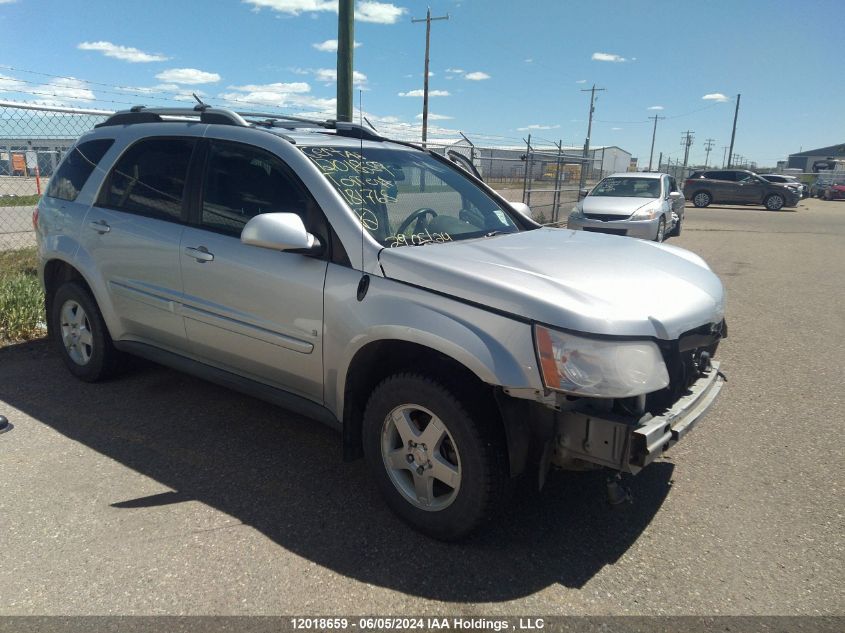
497, 349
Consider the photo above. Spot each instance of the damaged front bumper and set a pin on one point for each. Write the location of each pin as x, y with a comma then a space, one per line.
628, 443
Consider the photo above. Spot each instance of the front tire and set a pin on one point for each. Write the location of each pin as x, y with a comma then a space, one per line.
438, 462
702, 199
80, 334
774, 202
676, 230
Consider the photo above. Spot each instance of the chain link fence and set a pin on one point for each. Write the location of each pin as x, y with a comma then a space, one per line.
33, 141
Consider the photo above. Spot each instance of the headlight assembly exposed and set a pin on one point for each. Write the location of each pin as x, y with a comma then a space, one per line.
598, 368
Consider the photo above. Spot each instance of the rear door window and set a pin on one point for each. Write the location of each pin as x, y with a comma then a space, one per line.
76, 168
149, 179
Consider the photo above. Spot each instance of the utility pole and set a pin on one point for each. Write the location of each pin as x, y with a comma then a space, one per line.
428, 20
733, 132
345, 47
724, 156
653, 135
708, 146
592, 92
686, 142
659, 161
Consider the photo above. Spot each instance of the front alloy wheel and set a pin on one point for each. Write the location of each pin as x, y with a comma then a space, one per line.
661, 230
439, 458
701, 199
774, 202
420, 457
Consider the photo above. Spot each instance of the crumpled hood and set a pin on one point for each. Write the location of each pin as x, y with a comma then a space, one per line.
608, 205
588, 282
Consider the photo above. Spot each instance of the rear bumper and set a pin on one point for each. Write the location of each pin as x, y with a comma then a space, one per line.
629, 444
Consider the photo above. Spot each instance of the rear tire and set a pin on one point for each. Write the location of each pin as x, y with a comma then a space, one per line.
774, 202
702, 199
440, 465
80, 334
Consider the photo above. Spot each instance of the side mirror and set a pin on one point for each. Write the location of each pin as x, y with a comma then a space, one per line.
279, 232
582, 193
675, 195
523, 208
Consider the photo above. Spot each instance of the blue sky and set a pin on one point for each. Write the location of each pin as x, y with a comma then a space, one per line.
501, 68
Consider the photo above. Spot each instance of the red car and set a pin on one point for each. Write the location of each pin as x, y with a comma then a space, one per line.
834, 191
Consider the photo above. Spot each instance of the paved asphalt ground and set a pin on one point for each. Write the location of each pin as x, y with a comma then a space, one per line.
161, 494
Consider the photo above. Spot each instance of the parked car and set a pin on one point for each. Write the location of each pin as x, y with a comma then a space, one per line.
790, 181
644, 205
737, 186
835, 190
820, 184
379, 288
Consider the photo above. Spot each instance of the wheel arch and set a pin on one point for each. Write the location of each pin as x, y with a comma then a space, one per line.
56, 272
379, 359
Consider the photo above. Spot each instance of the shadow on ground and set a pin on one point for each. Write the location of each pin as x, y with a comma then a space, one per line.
283, 475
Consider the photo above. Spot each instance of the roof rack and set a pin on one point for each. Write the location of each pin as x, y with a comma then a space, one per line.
224, 116
142, 114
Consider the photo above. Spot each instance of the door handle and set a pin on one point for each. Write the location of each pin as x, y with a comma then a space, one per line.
101, 226
199, 253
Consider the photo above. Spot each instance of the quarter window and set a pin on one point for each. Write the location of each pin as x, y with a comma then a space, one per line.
149, 179
241, 182
76, 168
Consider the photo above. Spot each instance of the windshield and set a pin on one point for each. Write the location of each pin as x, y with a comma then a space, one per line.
409, 198
628, 187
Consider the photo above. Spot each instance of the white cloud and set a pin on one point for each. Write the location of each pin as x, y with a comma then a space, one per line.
188, 76
419, 93
330, 46
537, 126
528, 61
715, 96
10, 84
378, 12
60, 91
477, 76
296, 87
654, 108
436, 117
294, 7
616, 129
329, 75
581, 81
457, 71
607, 57
366, 11
279, 95
126, 53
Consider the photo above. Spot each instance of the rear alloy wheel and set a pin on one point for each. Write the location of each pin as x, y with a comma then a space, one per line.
774, 202
702, 199
439, 463
81, 335
661, 230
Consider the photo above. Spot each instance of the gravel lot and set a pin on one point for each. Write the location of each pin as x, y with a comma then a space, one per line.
161, 494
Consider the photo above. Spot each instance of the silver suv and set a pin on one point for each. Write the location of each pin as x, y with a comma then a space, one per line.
381, 289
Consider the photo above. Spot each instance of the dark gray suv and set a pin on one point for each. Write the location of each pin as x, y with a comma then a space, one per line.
737, 186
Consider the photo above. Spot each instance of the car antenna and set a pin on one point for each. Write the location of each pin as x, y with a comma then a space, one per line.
370, 124
200, 105
364, 284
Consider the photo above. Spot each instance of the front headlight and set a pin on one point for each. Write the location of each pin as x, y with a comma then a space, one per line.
576, 212
648, 213
598, 368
